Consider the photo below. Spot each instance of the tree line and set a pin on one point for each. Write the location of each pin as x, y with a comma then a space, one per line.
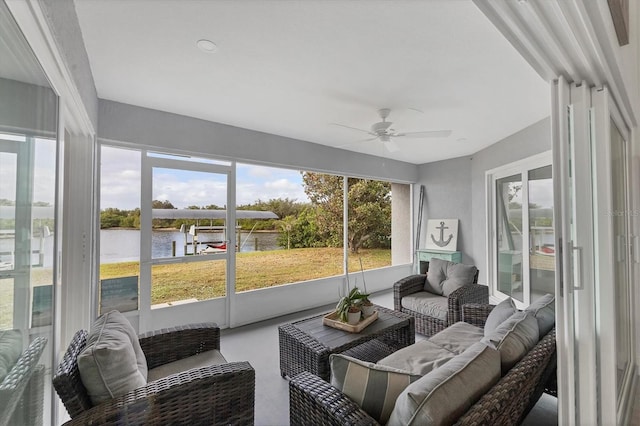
318, 223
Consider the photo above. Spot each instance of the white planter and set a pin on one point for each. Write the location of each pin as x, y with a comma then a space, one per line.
367, 310
353, 317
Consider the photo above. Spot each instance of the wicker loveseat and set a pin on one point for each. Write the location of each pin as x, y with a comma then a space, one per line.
211, 395
316, 402
427, 324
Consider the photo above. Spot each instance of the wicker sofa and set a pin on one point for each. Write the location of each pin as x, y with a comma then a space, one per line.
316, 402
211, 395
429, 325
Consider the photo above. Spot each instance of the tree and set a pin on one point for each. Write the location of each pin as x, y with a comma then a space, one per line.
162, 223
301, 231
369, 223
162, 204
111, 217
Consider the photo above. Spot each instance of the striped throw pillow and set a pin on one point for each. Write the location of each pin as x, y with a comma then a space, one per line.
373, 387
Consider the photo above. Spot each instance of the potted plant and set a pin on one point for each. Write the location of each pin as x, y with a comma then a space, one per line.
366, 305
348, 308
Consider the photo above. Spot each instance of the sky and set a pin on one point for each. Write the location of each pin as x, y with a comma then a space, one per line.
44, 169
121, 174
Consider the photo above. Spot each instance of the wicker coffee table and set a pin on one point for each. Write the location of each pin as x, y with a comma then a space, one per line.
306, 345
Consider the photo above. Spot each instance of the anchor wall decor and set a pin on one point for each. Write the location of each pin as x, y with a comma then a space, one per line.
442, 234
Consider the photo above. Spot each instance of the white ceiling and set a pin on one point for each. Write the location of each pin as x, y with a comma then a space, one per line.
293, 68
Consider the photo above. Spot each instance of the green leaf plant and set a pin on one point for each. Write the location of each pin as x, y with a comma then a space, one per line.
350, 303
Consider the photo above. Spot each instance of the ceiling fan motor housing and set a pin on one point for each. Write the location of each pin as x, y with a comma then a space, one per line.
381, 128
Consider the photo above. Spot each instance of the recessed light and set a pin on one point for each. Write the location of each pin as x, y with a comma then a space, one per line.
207, 46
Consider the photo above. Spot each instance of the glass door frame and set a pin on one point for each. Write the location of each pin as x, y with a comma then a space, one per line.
522, 168
146, 259
573, 226
606, 113
21, 269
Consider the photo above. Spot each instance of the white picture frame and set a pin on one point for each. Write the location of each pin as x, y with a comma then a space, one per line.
442, 234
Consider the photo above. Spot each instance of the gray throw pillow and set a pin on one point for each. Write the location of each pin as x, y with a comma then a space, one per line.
436, 274
112, 363
498, 314
458, 275
443, 395
516, 336
544, 309
444, 277
373, 387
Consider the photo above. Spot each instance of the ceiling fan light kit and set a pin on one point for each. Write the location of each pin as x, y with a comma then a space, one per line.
383, 131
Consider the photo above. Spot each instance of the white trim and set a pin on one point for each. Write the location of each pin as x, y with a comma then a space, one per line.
604, 233
574, 39
33, 23
564, 301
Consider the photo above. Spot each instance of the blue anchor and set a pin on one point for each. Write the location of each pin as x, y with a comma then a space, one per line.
442, 242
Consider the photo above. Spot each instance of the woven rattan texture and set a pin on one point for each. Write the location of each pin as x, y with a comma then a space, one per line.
511, 399
300, 351
427, 325
214, 395
313, 401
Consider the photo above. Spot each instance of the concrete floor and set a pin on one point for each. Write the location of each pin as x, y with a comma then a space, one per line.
258, 344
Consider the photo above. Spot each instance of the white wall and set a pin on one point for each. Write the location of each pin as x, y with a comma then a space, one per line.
448, 196
152, 128
456, 188
532, 140
65, 28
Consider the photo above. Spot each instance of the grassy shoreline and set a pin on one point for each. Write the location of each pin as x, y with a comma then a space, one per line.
254, 270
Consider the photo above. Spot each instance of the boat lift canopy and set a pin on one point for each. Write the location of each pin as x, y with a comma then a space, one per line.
210, 214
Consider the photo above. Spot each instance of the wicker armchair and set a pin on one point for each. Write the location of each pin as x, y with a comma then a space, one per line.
22, 390
428, 325
212, 395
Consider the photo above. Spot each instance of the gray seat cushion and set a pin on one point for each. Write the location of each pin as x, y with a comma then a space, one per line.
203, 359
419, 358
426, 303
458, 337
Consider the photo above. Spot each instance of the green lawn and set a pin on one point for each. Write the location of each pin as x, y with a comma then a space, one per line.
254, 270
205, 280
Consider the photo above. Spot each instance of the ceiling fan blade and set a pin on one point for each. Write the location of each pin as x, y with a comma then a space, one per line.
353, 128
391, 146
355, 142
426, 134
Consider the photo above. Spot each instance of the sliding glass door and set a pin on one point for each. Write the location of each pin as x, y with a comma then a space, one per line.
523, 241
591, 155
29, 231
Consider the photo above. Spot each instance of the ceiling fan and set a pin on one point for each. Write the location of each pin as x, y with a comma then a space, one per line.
383, 131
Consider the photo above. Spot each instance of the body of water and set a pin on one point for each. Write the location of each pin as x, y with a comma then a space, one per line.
117, 245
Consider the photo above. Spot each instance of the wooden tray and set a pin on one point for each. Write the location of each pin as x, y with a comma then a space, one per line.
332, 321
